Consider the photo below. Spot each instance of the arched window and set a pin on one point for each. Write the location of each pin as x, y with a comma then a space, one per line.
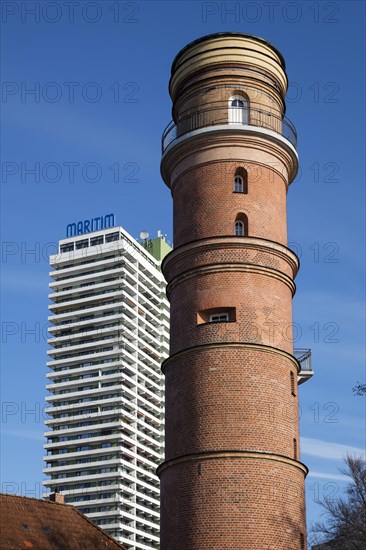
238, 110
241, 225
238, 184
241, 181
239, 229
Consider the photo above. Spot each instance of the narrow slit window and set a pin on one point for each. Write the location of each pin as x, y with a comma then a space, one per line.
295, 448
292, 380
302, 541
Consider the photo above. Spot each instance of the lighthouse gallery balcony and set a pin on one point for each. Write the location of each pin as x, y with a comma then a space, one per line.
220, 116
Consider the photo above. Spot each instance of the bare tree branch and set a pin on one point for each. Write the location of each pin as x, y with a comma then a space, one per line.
344, 526
359, 389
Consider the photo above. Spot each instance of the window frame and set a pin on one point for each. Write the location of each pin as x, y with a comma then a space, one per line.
240, 181
238, 185
237, 224
97, 240
222, 317
238, 114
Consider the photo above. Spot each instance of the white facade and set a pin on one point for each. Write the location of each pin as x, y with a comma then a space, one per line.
110, 333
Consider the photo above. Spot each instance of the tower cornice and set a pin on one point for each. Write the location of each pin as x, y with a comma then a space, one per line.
232, 454
195, 249
263, 348
229, 268
226, 140
227, 34
230, 50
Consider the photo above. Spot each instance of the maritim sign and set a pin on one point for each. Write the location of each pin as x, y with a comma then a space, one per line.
87, 226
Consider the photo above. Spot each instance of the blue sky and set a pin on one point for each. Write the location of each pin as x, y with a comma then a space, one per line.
91, 134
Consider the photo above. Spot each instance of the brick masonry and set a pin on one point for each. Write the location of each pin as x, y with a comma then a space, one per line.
233, 504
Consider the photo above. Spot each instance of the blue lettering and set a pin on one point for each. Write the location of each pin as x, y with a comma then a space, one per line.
87, 226
108, 221
71, 230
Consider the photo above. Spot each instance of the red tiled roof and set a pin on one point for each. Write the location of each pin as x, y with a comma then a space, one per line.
44, 525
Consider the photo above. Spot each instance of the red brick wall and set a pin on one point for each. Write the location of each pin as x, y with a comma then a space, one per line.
230, 398
218, 251
263, 310
206, 194
232, 504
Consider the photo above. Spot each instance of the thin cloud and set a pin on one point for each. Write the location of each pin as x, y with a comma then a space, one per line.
323, 475
326, 449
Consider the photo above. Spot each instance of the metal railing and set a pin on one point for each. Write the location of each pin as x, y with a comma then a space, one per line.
230, 116
304, 358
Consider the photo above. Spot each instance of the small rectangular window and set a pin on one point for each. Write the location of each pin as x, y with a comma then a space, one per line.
84, 243
216, 315
96, 240
112, 237
219, 317
67, 247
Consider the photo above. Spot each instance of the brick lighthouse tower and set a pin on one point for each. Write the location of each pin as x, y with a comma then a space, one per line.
232, 477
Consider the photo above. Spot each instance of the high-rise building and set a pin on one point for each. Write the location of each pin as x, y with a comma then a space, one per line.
232, 476
110, 332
